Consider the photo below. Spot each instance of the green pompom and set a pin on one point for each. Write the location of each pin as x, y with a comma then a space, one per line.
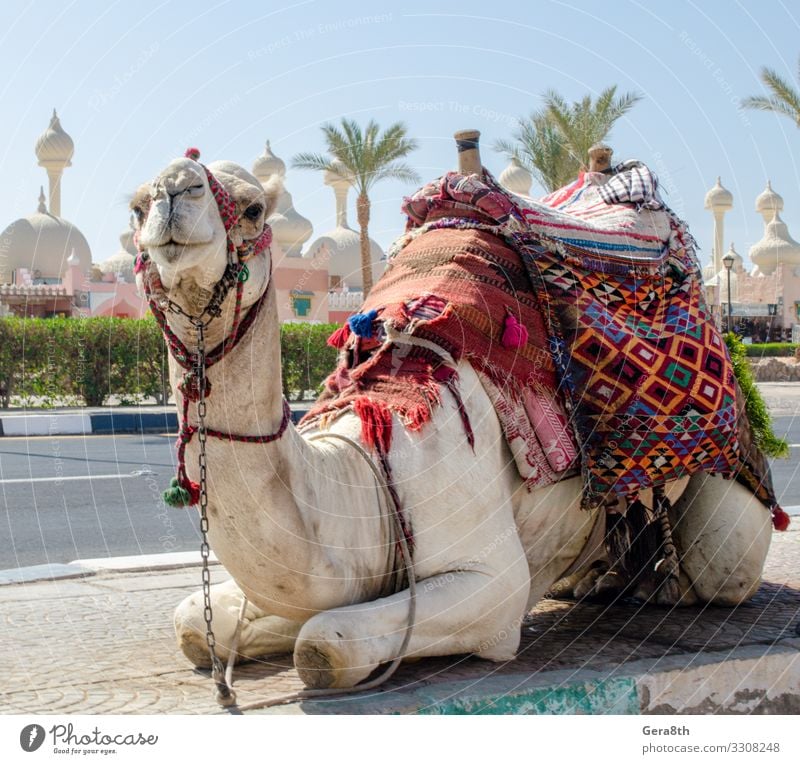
175, 496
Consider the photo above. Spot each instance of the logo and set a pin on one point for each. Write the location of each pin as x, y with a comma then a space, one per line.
31, 737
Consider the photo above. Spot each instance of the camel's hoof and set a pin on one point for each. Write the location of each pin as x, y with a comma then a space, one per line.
609, 585
314, 667
195, 648
586, 586
669, 593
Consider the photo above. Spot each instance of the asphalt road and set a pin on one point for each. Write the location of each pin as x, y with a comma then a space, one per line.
67, 498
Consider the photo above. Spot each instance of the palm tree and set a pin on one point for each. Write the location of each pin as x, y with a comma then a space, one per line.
784, 99
367, 157
553, 143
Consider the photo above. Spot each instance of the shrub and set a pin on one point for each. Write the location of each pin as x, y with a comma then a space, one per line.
771, 350
45, 361
756, 407
306, 359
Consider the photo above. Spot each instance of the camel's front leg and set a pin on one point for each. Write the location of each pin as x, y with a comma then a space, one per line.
462, 611
261, 634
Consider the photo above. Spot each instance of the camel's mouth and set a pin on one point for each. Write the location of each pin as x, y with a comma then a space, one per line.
171, 250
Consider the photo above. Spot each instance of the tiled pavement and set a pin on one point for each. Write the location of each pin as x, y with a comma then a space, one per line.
104, 644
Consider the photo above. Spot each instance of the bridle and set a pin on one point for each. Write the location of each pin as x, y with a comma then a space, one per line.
195, 385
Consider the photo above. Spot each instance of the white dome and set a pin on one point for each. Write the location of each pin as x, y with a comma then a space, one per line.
54, 145
120, 264
738, 260
776, 247
768, 202
343, 248
719, 198
268, 165
42, 243
289, 228
516, 178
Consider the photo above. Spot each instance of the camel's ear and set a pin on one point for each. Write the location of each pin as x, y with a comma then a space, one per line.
273, 189
140, 205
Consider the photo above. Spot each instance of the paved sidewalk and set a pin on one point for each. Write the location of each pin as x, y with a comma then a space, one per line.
104, 644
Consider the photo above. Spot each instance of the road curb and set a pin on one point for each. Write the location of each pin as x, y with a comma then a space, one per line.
750, 679
119, 422
144, 563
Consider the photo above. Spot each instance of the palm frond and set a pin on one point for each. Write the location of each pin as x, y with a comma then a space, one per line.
310, 161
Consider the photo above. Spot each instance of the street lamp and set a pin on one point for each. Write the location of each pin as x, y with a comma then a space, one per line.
728, 262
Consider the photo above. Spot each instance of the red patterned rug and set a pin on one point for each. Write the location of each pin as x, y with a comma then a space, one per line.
594, 342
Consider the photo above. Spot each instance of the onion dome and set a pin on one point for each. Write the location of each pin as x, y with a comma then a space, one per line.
769, 203
719, 198
41, 243
54, 146
290, 230
516, 178
268, 165
775, 248
738, 260
121, 263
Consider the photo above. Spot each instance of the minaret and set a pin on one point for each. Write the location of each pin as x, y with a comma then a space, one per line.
719, 200
337, 179
54, 150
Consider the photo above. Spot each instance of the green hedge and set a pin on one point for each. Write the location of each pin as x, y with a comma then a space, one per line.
771, 350
75, 361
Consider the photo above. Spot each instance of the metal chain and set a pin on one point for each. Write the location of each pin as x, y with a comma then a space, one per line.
225, 695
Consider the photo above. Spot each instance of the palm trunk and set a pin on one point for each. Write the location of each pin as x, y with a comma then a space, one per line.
362, 209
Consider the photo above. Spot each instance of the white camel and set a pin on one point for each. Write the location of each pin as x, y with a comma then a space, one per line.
304, 533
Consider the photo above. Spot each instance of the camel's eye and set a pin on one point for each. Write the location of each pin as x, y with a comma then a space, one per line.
195, 190
139, 213
253, 211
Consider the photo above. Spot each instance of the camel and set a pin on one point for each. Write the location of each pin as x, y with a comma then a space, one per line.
302, 527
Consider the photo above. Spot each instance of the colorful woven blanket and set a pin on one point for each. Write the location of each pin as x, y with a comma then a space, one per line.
585, 320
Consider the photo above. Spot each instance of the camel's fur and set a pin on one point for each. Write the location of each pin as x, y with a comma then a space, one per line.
302, 530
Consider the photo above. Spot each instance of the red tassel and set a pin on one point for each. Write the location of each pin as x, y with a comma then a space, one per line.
376, 423
515, 335
192, 153
780, 520
339, 338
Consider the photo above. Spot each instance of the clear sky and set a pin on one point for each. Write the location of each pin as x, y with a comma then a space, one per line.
136, 82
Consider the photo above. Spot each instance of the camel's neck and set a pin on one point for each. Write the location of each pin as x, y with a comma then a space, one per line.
298, 519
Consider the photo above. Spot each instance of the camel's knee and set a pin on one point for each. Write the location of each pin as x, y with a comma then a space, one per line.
190, 630
723, 533
259, 633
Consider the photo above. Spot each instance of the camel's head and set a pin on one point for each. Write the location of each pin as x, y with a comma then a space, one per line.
182, 224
